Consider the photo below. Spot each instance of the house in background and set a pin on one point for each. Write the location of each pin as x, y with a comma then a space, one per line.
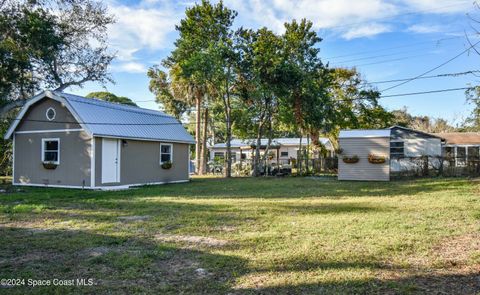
461, 146
64, 140
282, 149
374, 154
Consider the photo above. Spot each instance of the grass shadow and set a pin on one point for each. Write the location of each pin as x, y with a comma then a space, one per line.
117, 264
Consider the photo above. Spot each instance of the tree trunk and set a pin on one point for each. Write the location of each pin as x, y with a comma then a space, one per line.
198, 116
267, 147
306, 154
228, 172
256, 157
204, 151
228, 118
300, 157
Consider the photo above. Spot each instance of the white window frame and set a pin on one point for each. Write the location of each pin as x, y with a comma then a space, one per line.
43, 149
171, 152
283, 156
54, 114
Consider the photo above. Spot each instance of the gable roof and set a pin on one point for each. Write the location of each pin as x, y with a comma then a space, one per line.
106, 119
421, 133
460, 137
388, 132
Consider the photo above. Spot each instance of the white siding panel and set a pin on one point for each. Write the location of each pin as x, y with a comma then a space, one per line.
364, 170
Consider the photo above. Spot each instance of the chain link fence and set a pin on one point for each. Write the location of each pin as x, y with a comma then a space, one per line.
282, 167
425, 166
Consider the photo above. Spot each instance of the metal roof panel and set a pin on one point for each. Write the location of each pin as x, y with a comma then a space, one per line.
117, 120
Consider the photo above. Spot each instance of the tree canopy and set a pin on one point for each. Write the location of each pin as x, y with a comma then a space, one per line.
51, 44
110, 97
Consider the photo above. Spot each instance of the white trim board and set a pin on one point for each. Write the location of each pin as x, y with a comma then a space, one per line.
92, 163
47, 131
143, 139
127, 186
13, 159
51, 185
103, 188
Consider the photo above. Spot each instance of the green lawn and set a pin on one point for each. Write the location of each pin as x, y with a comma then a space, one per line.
247, 236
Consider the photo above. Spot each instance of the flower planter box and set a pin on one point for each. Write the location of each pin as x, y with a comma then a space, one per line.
376, 159
166, 165
351, 160
49, 166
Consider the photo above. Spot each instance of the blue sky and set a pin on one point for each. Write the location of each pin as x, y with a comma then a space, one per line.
384, 39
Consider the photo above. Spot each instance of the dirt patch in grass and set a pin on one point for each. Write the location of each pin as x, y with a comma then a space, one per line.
31, 257
97, 251
458, 250
135, 218
447, 270
226, 228
191, 240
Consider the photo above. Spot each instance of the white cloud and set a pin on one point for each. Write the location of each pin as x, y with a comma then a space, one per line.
342, 16
323, 13
439, 6
129, 67
369, 30
139, 27
150, 24
425, 29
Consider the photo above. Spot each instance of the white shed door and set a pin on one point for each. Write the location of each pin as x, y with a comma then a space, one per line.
110, 160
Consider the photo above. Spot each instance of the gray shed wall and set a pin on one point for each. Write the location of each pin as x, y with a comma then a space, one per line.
74, 167
364, 170
37, 112
140, 163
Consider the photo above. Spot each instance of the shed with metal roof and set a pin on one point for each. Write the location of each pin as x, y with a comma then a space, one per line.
65, 140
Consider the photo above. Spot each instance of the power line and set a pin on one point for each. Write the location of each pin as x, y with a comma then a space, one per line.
392, 54
433, 69
426, 77
397, 47
390, 60
375, 56
427, 92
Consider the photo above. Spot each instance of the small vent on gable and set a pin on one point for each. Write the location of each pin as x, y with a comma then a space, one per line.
50, 114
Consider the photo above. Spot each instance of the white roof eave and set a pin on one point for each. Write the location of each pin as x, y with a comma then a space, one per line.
366, 133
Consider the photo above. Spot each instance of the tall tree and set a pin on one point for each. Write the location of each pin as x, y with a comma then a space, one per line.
172, 91
202, 35
110, 97
303, 81
225, 58
258, 68
51, 44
